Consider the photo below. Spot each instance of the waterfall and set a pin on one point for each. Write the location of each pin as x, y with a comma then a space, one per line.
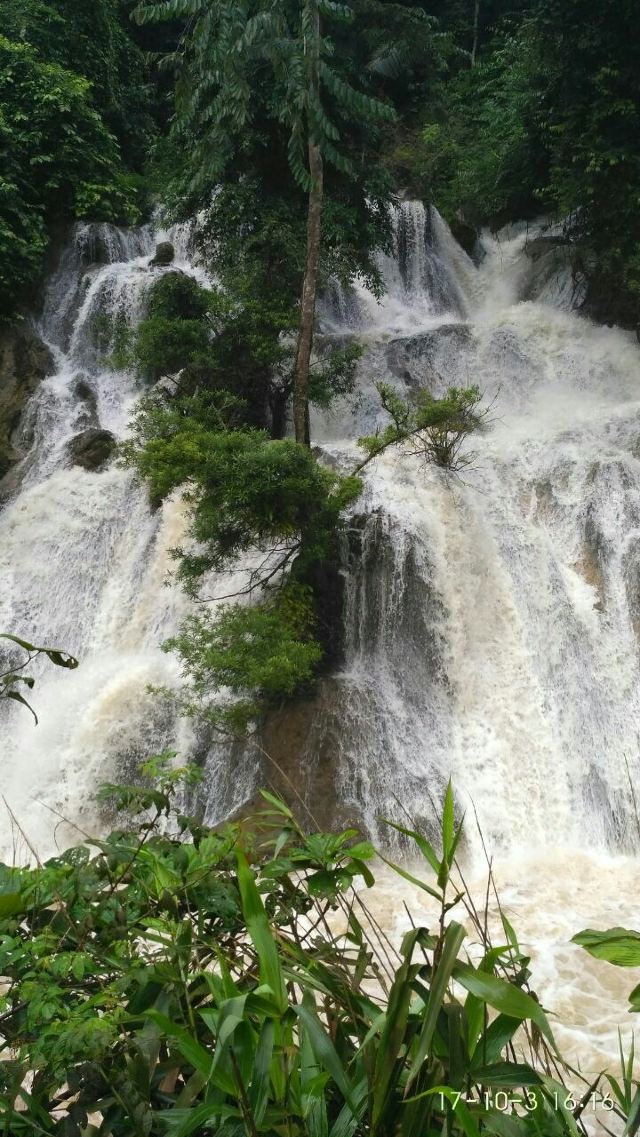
84, 560
491, 622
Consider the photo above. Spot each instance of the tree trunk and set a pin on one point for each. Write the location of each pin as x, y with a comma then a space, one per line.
308, 306
476, 30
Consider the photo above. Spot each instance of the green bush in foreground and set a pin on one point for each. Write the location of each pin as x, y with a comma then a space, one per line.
192, 982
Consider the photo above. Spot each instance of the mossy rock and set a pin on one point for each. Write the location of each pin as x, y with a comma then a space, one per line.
92, 448
164, 255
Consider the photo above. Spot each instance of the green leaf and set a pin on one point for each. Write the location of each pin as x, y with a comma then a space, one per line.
453, 938
448, 823
11, 903
505, 1074
189, 1047
617, 945
412, 879
503, 996
425, 847
324, 1050
260, 932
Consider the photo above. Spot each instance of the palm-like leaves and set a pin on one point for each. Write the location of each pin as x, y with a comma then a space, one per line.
234, 51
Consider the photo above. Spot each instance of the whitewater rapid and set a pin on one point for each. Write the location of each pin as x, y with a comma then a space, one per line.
491, 621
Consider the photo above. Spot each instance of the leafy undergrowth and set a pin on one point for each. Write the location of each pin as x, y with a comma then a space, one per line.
175, 980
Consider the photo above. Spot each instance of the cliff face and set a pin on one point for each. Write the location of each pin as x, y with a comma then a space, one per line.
24, 362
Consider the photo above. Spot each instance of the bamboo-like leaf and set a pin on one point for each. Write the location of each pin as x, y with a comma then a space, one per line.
412, 879
324, 1050
425, 847
261, 1080
260, 931
504, 1074
189, 1047
448, 823
503, 996
491, 1044
454, 936
315, 1104
633, 1120
393, 1034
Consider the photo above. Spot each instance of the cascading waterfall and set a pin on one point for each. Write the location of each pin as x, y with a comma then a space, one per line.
492, 619
491, 623
83, 559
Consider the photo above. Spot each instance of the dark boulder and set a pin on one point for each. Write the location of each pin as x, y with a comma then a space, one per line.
164, 255
92, 448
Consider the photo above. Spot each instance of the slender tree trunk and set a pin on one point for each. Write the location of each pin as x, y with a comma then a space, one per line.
314, 230
308, 305
476, 30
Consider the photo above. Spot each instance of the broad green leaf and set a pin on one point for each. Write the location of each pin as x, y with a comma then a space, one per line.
617, 945
503, 1124
491, 1044
11, 903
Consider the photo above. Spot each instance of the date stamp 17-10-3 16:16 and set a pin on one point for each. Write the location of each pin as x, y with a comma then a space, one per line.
528, 1101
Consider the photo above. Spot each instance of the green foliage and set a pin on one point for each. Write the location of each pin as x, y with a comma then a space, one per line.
93, 41
230, 52
434, 429
58, 160
247, 494
181, 986
13, 682
547, 121
215, 340
259, 653
244, 489
617, 946
621, 947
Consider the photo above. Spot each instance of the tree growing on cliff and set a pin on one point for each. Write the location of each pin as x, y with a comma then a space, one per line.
277, 59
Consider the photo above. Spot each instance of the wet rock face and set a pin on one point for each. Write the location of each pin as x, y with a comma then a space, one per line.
164, 254
92, 448
24, 362
418, 359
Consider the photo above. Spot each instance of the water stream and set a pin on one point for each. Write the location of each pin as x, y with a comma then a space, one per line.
491, 622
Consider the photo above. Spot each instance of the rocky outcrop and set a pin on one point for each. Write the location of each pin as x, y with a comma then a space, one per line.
92, 448
24, 362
